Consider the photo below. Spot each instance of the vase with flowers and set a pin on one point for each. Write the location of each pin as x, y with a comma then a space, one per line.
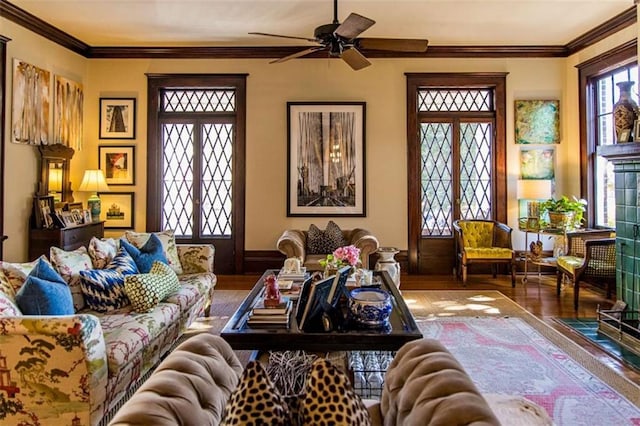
342, 256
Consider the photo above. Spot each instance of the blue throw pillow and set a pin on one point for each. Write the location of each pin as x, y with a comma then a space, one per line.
103, 289
45, 292
144, 256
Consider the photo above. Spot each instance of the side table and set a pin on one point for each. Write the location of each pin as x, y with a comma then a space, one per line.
539, 261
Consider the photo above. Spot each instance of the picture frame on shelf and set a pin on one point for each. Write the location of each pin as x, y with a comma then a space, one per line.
326, 176
117, 118
43, 207
68, 219
118, 209
74, 206
86, 215
117, 162
624, 136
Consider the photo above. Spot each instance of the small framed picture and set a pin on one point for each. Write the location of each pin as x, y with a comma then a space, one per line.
68, 219
86, 216
636, 131
118, 164
74, 206
117, 209
43, 207
117, 118
624, 136
78, 219
57, 220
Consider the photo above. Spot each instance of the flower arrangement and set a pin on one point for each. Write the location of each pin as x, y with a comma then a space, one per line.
342, 256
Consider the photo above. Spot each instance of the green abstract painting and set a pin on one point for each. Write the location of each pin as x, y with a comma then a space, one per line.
537, 163
537, 122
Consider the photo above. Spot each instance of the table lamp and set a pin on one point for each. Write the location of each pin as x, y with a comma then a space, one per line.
534, 190
94, 182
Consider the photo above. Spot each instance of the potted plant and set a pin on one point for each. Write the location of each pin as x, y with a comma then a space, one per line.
564, 213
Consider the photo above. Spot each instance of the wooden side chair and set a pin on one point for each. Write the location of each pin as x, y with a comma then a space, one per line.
591, 258
483, 241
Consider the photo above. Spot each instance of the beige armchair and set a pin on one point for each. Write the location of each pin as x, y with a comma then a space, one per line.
293, 243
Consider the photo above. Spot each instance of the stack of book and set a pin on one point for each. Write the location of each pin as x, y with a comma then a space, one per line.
293, 276
266, 316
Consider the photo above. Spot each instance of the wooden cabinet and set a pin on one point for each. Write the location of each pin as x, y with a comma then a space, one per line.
69, 238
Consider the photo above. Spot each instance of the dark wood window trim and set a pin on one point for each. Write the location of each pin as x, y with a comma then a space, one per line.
3, 64
624, 54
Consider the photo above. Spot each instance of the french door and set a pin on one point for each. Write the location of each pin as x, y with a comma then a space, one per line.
196, 163
456, 161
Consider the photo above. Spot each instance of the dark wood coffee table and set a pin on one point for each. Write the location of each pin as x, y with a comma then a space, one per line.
402, 329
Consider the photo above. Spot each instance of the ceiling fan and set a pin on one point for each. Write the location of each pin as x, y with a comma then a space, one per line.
340, 40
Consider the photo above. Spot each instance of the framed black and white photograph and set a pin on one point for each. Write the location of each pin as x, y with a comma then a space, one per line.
117, 209
326, 159
117, 118
117, 163
43, 207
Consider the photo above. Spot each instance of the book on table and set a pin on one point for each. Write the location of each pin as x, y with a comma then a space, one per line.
263, 316
283, 307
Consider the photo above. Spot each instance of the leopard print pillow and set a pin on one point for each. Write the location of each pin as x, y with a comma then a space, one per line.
255, 401
325, 242
330, 399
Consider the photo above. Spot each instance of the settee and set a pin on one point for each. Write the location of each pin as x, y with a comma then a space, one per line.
76, 368
298, 243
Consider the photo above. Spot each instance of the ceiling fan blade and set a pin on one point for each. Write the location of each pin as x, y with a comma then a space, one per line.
297, 54
284, 36
353, 26
395, 44
355, 59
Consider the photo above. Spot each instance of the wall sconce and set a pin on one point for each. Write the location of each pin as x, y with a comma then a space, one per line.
93, 181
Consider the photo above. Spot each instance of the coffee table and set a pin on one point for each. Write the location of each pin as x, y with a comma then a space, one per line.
402, 329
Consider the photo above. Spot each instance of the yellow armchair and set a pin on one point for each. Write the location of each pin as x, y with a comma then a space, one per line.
483, 241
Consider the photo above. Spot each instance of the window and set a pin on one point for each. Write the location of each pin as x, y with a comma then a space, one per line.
598, 79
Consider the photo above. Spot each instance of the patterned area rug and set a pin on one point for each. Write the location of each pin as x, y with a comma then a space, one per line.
506, 350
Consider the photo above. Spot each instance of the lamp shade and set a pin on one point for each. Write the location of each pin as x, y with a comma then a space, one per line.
55, 180
93, 181
534, 189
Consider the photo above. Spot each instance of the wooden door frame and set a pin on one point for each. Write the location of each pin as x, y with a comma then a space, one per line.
415, 81
3, 90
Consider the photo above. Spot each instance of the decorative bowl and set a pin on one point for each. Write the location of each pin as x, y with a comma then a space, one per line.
370, 306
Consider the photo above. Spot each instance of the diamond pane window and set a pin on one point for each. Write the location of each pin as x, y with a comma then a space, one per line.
461, 100
211, 100
177, 180
436, 179
475, 170
216, 184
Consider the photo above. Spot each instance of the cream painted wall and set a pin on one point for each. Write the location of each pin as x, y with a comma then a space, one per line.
382, 86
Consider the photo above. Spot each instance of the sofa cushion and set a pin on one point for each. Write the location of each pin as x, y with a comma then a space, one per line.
69, 264
147, 290
6, 288
324, 242
16, 273
144, 256
8, 307
255, 400
103, 289
45, 292
168, 241
102, 251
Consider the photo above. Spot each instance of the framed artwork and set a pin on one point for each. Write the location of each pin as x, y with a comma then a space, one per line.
67, 121
31, 104
117, 118
117, 164
326, 159
624, 135
537, 163
43, 206
636, 131
537, 122
117, 209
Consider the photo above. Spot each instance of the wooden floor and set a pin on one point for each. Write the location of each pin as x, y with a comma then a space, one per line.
538, 297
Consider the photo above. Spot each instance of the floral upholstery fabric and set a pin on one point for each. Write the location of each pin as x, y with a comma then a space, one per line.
69, 264
16, 273
102, 251
196, 258
75, 369
168, 240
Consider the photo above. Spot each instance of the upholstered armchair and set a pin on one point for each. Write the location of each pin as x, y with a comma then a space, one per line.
293, 243
483, 241
591, 258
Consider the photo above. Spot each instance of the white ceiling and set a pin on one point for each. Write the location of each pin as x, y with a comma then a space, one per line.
228, 22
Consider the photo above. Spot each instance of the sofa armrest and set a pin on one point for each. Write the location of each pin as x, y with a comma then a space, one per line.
196, 258
292, 243
365, 241
425, 384
56, 359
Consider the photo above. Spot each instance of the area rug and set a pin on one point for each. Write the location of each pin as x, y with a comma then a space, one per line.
506, 350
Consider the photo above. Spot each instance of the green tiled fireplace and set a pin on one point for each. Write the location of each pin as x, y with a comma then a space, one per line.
626, 160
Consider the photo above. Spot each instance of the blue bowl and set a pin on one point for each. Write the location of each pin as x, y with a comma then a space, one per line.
370, 306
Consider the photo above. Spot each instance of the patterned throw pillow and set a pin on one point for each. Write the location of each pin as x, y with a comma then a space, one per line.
102, 251
45, 292
146, 255
325, 242
5, 287
330, 399
168, 240
8, 307
146, 291
103, 289
16, 273
69, 264
255, 401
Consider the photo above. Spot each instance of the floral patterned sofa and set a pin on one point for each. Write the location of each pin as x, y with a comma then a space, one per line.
76, 369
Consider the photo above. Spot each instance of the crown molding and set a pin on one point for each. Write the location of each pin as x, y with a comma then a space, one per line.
38, 26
